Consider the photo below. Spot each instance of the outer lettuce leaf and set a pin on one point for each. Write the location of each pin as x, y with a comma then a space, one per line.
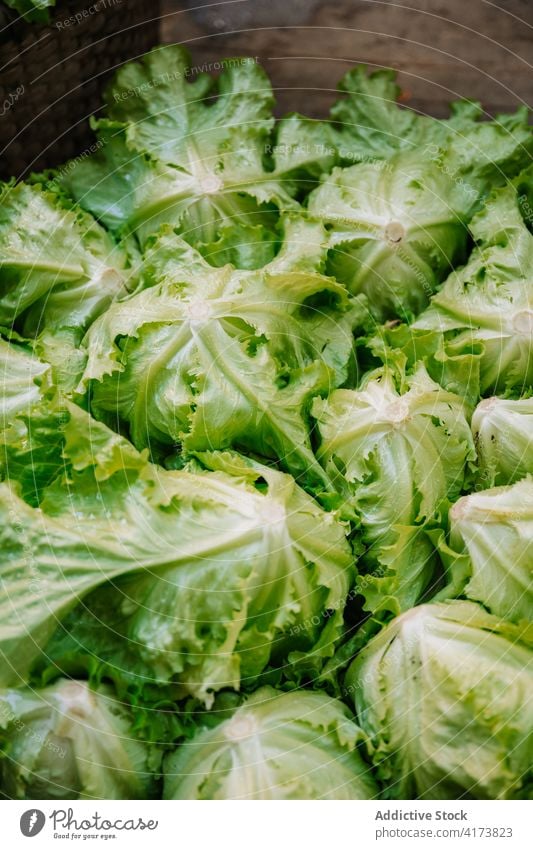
490, 300
218, 358
251, 246
371, 125
31, 451
132, 191
456, 367
23, 380
503, 433
404, 571
253, 557
70, 742
245, 587
58, 267
302, 152
89, 444
192, 154
165, 114
49, 562
399, 218
43, 435
397, 449
63, 352
396, 229
25, 383
299, 745
65, 563
494, 529
444, 694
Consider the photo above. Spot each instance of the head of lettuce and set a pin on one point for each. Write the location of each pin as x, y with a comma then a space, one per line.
444, 692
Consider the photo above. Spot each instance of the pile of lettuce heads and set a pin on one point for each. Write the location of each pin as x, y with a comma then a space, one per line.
266, 450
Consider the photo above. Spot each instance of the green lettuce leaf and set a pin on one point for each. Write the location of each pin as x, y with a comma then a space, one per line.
302, 152
396, 228
503, 435
252, 557
58, 267
494, 529
456, 367
23, 381
68, 741
299, 745
489, 302
444, 694
217, 358
397, 449
193, 154
32, 451
370, 125
258, 578
29, 431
